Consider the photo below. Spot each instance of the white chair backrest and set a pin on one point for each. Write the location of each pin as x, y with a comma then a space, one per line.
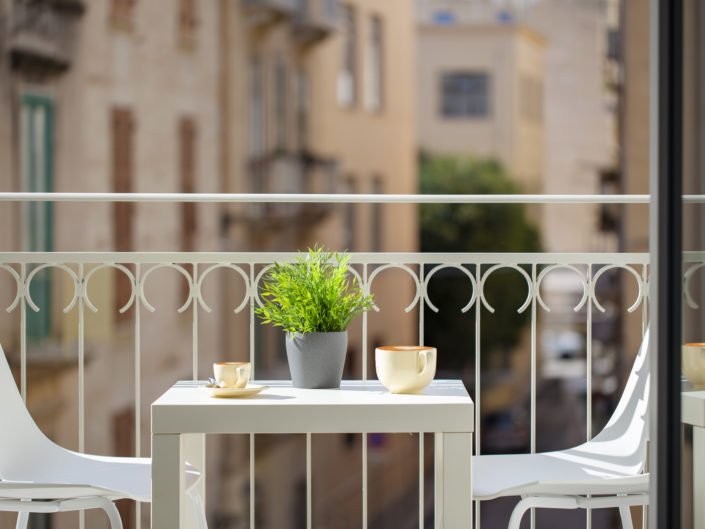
623, 439
21, 442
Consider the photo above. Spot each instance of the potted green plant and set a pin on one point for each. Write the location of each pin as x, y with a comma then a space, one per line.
314, 300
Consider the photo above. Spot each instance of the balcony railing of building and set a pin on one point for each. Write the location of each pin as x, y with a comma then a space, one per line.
589, 270
41, 35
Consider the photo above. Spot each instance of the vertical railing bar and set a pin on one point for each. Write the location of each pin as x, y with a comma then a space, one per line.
534, 294
421, 480
309, 511
364, 327
194, 323
645, 299
422, 303
252, 481
644, 324
138, 377
588, 369
533, 359
253, 299
364, 480
422, 477
81, 370
81, 377
23, 332
478, 308
364, 379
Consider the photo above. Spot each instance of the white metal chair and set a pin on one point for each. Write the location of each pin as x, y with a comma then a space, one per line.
36, 475
607, 471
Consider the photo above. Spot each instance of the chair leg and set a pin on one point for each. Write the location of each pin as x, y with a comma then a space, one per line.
518, 513
22, 520
199, 510
545, 502
113, 514
626, 516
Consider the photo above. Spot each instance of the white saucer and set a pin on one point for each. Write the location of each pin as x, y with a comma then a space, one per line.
251, 389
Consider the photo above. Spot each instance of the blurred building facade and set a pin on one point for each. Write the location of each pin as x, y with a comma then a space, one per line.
537, 73
192, 96
322, 103
585, 84
480, 90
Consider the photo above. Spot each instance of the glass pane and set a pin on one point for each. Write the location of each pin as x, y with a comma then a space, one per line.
693, 352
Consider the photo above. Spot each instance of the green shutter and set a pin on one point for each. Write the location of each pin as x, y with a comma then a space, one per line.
37, 166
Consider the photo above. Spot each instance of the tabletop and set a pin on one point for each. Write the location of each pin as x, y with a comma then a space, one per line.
187, 407
692, 405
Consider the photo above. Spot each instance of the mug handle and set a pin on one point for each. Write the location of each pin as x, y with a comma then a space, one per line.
240, 372
424, 354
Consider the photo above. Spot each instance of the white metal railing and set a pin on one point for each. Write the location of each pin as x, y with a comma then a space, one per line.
249, 268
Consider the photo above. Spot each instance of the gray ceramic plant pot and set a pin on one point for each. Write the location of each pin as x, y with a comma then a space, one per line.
316, 359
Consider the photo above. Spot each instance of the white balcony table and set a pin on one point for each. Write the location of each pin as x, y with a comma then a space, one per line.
693, 413
185, 413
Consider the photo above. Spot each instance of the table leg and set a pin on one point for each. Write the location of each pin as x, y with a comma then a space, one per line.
453, 479
698, 477
168, 480
193, 450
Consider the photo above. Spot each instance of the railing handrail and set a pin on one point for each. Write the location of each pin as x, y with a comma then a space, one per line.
345, 198
358, 257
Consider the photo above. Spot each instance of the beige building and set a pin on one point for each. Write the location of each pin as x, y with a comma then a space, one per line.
107, 96
550, 115
196, 96
480, 91
326, 104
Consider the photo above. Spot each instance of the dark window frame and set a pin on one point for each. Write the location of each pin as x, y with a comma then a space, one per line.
471, 108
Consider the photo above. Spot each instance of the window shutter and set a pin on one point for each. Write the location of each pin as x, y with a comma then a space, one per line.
187, 172
123, 212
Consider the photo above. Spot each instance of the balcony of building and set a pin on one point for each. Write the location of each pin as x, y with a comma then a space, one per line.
314, 20
288, 173
263, 13
41, 36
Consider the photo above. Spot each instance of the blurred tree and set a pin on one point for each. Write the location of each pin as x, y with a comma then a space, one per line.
473, 228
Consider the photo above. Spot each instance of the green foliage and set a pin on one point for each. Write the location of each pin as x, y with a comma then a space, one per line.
313, 294
473, 228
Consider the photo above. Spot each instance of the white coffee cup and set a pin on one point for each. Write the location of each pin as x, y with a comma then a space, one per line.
405, 368
231, 374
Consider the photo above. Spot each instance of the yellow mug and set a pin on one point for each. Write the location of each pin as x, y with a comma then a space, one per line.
405, 368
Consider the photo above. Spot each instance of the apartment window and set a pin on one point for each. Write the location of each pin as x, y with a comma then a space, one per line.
349, 230
122, 136
187, 171
122, 12
280, 107
187, 20
375, 64
531, 97
37, 175
347, 77
302, 108
465, 95
376, 220
257, 130
609, 213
